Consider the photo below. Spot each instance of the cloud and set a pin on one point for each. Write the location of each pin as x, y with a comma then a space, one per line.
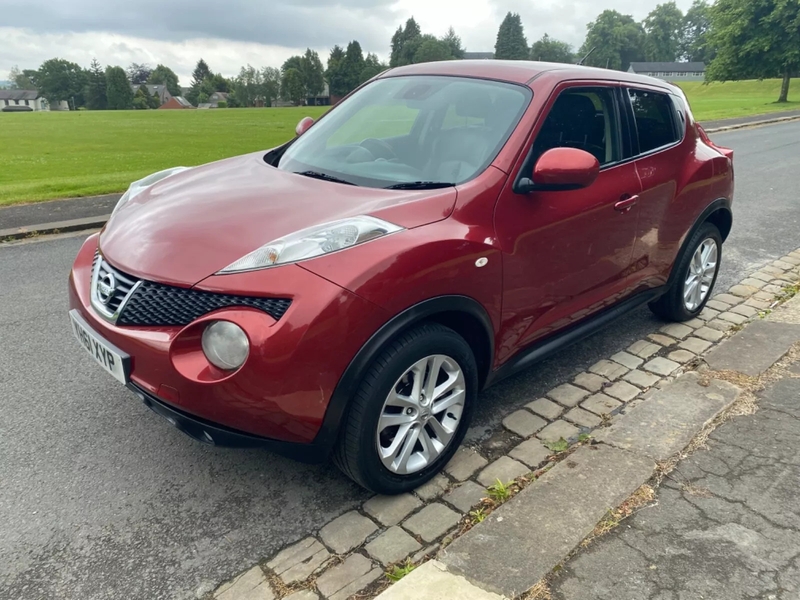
231, 33
293, 23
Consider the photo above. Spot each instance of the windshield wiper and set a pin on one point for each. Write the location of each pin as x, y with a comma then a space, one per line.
323, 176
420, 185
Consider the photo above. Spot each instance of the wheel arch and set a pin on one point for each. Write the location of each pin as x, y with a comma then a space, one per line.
719, 214
463, 314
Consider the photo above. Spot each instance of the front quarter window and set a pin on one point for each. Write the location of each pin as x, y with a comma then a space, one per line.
405, 130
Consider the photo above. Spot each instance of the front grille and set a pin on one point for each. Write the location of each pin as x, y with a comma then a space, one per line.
154, 304
105, 277
147, 304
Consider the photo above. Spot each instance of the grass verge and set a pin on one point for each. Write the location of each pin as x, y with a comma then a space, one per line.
84, 153
714, 101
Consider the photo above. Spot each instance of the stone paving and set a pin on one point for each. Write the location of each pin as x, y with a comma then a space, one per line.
357, 547
726, 525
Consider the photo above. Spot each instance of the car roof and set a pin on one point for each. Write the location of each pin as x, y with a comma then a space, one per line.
520, 71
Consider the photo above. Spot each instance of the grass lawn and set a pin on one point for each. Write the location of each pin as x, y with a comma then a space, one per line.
82, 153
738, 98
56, 155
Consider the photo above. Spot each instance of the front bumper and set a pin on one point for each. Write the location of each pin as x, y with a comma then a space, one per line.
280, 395
218, 435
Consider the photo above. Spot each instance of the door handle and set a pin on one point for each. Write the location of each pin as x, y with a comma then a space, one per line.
626, 203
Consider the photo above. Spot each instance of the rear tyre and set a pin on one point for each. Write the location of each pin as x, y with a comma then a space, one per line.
410, 412
695, 275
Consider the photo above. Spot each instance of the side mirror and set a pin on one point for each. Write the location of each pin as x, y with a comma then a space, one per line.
303, 126
561, 169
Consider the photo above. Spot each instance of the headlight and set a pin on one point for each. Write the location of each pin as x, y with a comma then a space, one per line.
314, 241
137, 187
225, 345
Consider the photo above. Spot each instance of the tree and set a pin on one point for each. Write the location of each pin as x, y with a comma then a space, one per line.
139, 73
431, 50
352, 65
548, 49
201, 71
405, 42
372, 67
756, 38
199, 75
454, 43
313, 73
22, 80
59, 80
255, 87
18, 80
664, 30
270, 85
245, 87
162, 75
219, 83
694, 39
140, 98
118, 90
511, 42
292, 86
153, 100
31, 76
618, 41
334, 74
96, 87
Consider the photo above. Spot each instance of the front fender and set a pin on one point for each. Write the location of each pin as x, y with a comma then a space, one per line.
404, 269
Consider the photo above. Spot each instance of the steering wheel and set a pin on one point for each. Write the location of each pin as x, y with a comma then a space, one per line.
379, 148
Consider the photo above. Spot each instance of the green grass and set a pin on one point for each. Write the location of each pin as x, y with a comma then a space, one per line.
62, 154
714, 101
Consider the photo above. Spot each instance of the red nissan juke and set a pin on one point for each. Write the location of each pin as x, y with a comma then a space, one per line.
350, 292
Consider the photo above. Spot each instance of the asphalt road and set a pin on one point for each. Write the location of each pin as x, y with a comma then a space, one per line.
99, 498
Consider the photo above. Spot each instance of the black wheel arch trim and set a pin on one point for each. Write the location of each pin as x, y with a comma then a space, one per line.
340, 399
723, 204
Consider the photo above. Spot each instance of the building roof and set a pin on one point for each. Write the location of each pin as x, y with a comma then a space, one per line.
478, 55
183, 101
19, 94
668, 67
153, 88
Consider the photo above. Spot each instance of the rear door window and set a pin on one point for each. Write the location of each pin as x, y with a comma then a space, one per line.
655, 118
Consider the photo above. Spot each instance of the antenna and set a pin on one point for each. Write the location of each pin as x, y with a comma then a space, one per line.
588, 54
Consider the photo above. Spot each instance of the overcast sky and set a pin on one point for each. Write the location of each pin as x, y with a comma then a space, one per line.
231, 33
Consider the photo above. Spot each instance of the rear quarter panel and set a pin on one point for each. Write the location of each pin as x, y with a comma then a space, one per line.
679, 184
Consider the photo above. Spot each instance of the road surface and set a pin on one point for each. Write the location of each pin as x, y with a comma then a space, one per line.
101, 499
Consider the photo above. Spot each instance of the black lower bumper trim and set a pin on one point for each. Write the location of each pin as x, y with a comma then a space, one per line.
214, 434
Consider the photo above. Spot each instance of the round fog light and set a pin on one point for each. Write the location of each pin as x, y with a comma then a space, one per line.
225, 345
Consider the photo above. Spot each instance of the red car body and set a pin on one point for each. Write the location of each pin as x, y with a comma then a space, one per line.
557, 265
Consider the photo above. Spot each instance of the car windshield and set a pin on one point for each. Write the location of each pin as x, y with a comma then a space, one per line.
414, 132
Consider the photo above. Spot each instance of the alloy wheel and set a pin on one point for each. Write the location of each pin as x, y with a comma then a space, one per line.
702, 269
421, 414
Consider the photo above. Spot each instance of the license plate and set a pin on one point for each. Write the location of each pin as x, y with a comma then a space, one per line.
105, 354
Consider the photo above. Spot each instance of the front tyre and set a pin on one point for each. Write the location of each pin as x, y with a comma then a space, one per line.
411, 411
695, 276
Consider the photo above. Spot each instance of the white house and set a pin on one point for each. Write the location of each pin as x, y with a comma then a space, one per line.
27, 100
